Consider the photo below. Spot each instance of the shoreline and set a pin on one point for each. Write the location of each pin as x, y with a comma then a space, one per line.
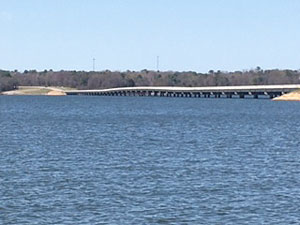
292, 96
37, 91
61, 91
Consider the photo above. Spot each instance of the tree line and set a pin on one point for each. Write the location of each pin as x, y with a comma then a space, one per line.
9, 80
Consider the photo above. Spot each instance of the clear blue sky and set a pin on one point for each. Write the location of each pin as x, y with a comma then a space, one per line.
196, 35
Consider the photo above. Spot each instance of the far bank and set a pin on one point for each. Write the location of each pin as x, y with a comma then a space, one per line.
38, 90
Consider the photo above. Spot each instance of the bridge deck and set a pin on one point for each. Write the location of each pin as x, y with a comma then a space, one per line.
217, 91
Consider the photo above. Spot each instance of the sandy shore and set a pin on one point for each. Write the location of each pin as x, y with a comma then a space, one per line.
38, 90
293, 96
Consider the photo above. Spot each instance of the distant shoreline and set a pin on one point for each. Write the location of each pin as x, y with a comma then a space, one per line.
61, 91
37, 90
90, 80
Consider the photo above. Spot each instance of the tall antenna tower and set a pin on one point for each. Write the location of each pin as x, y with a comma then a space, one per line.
157, 63
94, 64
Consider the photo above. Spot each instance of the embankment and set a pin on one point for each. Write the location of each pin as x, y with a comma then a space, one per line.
293, 96
37, 90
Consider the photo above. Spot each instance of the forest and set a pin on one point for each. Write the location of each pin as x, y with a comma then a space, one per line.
9, 80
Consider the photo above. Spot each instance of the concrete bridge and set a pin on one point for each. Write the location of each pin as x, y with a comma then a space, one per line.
253, 91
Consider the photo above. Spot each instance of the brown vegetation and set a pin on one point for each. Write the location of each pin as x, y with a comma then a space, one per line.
7, 81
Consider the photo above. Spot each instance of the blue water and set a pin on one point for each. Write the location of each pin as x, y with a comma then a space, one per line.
136, 160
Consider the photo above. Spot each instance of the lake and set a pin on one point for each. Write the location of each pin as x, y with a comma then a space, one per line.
148, 160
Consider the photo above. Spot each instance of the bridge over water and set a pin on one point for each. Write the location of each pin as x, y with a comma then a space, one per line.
253, 91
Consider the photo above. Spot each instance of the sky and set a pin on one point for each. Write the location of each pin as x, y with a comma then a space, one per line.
187, 35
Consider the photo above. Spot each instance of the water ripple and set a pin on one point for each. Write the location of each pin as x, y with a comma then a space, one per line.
118, 160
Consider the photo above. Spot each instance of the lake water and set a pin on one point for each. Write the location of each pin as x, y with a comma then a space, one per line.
139, 160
